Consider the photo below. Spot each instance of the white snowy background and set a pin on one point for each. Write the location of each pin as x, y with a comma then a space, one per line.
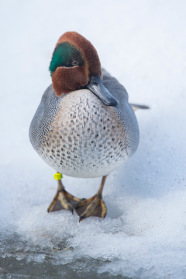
143, 44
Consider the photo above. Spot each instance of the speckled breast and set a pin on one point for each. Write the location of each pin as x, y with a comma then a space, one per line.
86, 138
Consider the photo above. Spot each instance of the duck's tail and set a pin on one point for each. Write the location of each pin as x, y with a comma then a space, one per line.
135, 107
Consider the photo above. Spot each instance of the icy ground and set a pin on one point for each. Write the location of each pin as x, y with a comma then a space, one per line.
142, 43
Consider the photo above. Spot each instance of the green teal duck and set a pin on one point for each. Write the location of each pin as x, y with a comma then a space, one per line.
84, 126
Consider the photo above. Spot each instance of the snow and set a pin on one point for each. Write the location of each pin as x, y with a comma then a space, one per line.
143, 44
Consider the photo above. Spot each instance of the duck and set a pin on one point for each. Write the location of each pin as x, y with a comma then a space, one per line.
84, 126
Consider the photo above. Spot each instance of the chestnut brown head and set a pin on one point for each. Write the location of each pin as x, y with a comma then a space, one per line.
75, 64
73, 61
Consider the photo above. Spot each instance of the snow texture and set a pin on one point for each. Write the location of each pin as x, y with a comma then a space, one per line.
143, 44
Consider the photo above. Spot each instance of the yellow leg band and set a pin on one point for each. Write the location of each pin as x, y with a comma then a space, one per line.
58, 176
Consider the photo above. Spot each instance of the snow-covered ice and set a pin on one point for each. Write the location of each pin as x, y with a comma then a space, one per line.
143, 44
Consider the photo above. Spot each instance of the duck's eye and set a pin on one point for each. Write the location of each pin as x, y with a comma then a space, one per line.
74, 63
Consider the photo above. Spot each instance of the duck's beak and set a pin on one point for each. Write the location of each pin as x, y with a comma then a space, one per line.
96, 86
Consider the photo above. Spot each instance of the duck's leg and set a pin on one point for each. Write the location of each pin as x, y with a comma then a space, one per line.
63, 200
94, 206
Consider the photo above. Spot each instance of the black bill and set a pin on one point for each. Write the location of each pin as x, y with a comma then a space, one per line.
96, 86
